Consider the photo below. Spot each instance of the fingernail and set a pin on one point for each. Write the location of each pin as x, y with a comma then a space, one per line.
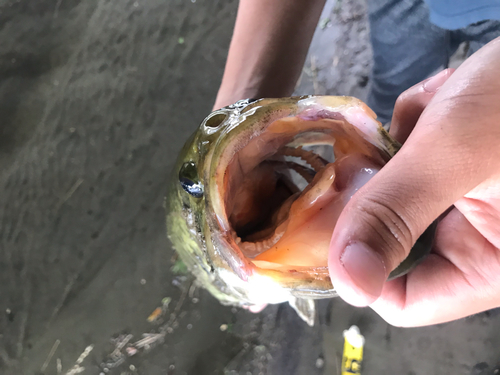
365, 267
434, 83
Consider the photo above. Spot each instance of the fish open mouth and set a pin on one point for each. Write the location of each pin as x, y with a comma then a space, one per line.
284, 189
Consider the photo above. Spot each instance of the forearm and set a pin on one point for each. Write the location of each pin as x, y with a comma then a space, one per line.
268, 49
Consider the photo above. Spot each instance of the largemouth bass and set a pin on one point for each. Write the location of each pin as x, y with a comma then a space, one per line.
252, 204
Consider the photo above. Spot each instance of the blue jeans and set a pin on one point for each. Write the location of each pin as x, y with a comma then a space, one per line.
408, 48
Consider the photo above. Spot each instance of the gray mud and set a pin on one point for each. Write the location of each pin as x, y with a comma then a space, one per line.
96, 99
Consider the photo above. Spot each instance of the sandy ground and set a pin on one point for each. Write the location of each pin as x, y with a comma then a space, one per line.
96, 99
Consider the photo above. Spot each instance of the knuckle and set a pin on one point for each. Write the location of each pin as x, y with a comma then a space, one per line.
400, 101
413, 97
395, 235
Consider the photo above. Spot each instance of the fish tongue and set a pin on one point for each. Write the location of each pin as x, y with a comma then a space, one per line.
314, 214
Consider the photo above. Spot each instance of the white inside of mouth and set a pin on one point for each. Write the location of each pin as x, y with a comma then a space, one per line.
277, 219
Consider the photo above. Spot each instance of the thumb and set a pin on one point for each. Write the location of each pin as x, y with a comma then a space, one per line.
383, 220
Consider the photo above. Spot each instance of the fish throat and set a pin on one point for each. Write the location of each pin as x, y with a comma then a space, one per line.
284, 190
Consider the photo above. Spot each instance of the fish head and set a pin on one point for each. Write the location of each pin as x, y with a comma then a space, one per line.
253, 204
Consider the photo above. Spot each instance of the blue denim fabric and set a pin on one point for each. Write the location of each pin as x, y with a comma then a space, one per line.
456, 14
408, 48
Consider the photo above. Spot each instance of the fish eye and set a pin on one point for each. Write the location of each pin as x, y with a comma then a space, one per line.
189, 180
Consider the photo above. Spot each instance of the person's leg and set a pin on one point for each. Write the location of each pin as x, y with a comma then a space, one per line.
407, 48
480, 33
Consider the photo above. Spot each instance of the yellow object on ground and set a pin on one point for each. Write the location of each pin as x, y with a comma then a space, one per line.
352, 358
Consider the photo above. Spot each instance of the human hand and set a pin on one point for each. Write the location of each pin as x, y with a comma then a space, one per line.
451, 157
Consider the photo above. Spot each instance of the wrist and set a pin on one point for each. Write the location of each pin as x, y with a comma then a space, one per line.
255, 86
227, 96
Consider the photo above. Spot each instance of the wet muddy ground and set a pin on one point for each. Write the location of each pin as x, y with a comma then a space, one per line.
96, 99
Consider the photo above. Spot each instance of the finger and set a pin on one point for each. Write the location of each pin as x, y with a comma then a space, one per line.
450, 151
412, 102
451, 283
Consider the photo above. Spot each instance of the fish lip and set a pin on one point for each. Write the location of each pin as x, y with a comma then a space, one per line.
215, 205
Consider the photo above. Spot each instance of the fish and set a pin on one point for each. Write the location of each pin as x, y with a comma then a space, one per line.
256, 192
